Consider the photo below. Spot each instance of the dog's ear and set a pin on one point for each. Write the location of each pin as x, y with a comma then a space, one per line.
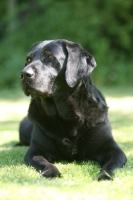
79, 63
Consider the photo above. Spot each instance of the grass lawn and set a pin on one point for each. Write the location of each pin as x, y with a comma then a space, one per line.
78, 182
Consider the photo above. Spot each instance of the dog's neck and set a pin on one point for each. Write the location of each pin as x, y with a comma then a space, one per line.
59, 103
72, 104
83, 105
49, 106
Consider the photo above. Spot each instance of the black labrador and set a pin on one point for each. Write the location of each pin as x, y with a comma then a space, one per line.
68, 115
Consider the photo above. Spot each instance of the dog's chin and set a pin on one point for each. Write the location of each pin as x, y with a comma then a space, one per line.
36, 93
26, 93
31, 92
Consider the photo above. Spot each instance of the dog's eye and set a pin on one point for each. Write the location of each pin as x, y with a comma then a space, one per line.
28, 60
50, 57
47, 56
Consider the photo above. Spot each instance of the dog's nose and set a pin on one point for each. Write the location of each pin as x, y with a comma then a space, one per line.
94, 64
27, 74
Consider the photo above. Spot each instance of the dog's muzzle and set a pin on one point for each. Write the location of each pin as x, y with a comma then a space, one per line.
27, 74
27, 78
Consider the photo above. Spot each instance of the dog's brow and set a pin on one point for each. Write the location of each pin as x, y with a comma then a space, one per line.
52, 48
31, 54
47, 51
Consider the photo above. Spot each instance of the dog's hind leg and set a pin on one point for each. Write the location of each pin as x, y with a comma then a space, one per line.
25, 131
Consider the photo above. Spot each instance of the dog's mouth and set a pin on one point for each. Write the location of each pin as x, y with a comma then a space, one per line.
33, 93
30, 91
26, 92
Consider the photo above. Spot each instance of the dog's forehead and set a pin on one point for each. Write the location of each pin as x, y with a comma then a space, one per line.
44, 43
38, 46
53, 46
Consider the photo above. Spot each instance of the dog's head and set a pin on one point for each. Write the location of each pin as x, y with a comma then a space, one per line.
50, 59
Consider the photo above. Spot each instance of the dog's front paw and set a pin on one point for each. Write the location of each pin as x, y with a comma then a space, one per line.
104, 175
50, 171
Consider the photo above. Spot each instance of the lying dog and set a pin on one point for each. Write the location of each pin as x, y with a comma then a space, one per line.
68, 114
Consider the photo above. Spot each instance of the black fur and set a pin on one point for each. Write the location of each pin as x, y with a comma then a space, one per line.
68, 114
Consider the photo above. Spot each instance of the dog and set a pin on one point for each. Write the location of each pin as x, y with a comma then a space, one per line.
68, 116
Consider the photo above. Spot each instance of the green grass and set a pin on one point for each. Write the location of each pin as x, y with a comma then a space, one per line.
18, 181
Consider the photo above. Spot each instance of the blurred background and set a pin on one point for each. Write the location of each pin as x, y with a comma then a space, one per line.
104, 28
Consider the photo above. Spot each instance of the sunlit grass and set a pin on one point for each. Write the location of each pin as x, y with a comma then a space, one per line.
78, 181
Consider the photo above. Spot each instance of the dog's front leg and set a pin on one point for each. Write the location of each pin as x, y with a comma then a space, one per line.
46, 168
113, 159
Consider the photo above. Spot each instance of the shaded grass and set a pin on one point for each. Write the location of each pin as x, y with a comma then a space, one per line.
78, 181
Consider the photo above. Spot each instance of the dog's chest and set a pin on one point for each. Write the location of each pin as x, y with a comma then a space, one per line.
70, 142
70, 147
64, 109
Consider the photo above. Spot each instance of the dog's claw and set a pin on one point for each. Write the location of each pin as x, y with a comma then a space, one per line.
51, 173
103, 175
